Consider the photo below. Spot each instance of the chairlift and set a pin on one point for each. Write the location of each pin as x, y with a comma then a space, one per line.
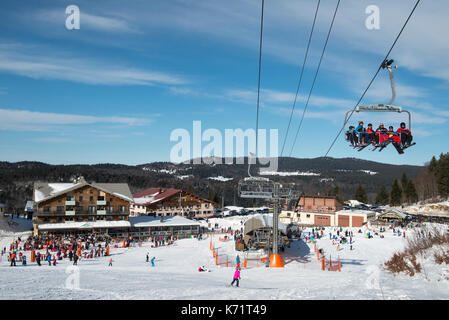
256, 187
388, 107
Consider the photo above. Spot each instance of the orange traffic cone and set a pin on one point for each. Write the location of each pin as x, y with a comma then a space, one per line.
276, 261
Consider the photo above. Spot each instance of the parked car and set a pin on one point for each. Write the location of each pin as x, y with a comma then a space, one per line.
266, 210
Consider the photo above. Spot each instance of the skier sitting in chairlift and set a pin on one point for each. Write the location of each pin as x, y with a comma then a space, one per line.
361, 132
405, 135
351, 136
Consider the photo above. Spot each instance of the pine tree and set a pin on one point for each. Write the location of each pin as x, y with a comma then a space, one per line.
336, 191
404, 181
360, 194
382, 196
442, 175
396, 194
410, 192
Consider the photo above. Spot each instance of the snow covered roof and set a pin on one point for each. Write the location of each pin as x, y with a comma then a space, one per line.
85, 225
366, 212
394, 211
45, 191
152, 196
262, 221
149, 221
29, 206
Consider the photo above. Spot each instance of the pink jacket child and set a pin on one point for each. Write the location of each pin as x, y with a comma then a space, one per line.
236, 277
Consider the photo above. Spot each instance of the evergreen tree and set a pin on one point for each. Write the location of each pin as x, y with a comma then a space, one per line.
442, 175
433, 165
410, 192
396, 194
382, 196
360, 194
404, 181
336, 192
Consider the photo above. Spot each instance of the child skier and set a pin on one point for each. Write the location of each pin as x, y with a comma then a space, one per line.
152, 261
236, 277
110, 262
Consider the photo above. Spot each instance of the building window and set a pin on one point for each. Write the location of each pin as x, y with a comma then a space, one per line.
46, 209
59, 209
59, 200
80, 198
308, 216
92, 209
80, 190
121, 208
110, 209
79, 209
91, 198
69, 198
91, 218
58, 219
110, 199
109, 218
46, 219
91, 191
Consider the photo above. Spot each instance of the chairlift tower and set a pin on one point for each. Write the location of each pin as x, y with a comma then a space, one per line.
263, 188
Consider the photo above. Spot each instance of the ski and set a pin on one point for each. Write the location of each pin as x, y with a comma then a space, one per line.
408, 146
362, 147
398, 148
384, 145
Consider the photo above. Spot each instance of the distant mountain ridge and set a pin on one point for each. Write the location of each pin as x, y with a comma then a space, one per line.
311, 176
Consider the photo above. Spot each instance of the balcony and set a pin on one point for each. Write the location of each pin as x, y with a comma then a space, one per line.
79, 213
70, 202
101, 202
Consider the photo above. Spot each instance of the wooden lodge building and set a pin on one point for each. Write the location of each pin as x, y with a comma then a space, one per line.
81, 207
325, 211
171, 202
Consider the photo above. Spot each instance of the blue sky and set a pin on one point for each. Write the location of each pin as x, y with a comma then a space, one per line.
115, 89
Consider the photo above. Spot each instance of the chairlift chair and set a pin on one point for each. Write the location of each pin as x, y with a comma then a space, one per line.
388, 107
256, 187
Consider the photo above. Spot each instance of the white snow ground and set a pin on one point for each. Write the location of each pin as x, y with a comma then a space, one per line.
175, 275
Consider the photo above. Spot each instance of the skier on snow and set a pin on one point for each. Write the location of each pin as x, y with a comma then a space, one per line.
236, 277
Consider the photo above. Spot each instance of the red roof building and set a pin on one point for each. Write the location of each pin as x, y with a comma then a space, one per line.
171, 202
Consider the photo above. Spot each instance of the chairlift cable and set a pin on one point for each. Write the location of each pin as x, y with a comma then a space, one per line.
258, 85
300, 76
315, 77
374, 77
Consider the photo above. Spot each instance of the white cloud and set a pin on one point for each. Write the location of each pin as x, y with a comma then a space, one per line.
18, 60
25, 120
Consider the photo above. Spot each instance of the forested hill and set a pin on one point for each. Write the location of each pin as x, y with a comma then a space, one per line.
311, 176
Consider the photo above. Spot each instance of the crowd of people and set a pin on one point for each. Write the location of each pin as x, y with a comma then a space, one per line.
53, 248
360, 136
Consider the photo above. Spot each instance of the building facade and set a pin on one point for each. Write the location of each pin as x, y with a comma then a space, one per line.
325, 211
81, 207
171, 202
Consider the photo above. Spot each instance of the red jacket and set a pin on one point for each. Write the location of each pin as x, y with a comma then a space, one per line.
400, 130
